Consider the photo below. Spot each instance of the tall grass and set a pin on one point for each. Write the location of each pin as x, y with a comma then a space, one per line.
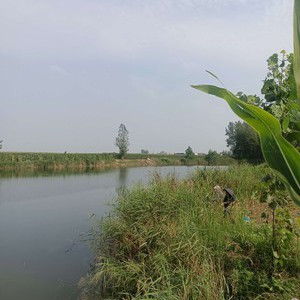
170, 240
51, 160
64, 161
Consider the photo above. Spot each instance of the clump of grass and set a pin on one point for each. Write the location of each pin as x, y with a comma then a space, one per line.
170, 241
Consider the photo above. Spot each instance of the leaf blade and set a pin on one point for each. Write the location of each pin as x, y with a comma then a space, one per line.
281, 156
297, 46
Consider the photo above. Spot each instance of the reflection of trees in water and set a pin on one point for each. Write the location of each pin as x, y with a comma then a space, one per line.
15, 173
1, 197
123, 173
123, 176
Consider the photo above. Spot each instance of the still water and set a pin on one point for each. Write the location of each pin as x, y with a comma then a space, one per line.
42, 221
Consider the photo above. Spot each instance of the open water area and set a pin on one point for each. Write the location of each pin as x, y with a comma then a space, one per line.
45, 221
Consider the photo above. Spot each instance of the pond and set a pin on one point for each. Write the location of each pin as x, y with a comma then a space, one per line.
43, 222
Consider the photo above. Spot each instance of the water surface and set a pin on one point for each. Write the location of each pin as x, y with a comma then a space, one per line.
42, 222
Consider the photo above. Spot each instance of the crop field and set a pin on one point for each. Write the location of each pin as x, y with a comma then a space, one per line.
78, 161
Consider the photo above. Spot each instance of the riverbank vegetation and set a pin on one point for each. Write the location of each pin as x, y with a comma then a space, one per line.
170, 240
20, 161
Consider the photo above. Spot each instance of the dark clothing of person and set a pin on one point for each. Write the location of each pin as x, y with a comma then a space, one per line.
228, 199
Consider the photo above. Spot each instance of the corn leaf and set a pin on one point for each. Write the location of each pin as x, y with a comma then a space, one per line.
280, 155
297, 46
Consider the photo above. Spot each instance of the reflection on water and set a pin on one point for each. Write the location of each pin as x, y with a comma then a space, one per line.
43, 216
123, 173
56, 172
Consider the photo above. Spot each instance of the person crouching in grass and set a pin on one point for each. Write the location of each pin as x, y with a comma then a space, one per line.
228, 200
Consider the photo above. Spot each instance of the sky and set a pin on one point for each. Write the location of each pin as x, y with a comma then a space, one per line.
71, 71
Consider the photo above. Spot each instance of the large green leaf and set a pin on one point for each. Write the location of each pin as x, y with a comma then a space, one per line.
297, 45
281, 156
297, 53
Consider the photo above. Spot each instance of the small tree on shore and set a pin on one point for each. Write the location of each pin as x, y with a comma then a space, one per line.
122, 141
211, 157
243, 141
144, 151
189, 153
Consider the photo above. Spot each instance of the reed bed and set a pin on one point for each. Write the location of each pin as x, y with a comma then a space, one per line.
170, 240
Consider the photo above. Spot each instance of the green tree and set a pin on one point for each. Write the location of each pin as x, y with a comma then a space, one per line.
1, 144
278, 148
280, 94
243, 141
279, 91
211, 157
122, 141
189, 153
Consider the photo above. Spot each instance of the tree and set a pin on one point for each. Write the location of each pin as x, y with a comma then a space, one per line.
189, 153
280, 95
211, 157
144, 151
122, 141
283, 157
243, 141
1, 144
279, 91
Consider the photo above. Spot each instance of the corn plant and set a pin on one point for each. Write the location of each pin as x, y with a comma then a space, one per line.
280, 155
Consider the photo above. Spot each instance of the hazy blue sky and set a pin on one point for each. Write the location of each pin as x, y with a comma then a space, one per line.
72, 70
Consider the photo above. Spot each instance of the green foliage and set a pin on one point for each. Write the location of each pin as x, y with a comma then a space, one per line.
211, 157
243, 141
144, 151
278, 152
279, 90
297, 46
122, 141
277, 87
283, 238
283, 228
49, 161
170, 241
1, 144
251, 99
280, 98
33, 163
189, 153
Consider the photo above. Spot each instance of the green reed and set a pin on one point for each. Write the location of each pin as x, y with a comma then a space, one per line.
170, 240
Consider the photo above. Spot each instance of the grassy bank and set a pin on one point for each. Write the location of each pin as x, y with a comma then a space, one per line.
93, 161
171, 241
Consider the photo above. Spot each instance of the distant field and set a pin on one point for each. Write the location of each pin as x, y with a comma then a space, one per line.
11, 160
62, 161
